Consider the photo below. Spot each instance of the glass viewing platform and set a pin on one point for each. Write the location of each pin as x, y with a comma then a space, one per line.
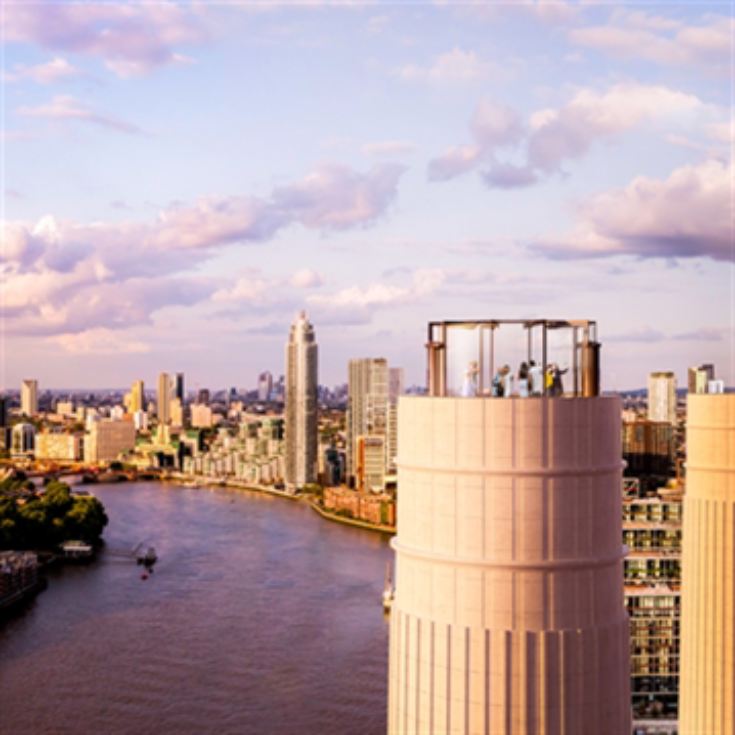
505, 358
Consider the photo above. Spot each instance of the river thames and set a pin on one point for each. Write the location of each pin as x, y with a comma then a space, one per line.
260, 617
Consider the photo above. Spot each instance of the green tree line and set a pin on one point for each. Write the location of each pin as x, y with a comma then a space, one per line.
44, 521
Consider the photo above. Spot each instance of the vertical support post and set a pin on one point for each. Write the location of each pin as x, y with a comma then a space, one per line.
481, 362
443, 379
492, 352
575, 359
543, 356
528, 342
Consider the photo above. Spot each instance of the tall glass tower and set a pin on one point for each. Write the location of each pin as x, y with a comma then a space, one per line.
301, 404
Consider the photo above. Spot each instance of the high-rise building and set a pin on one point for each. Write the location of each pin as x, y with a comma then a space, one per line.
652, 535
29, 397
508, 614
163, 407
707, 680
649, 447
137, 397
367, 406
179, 388
662, 397
177, 413
265, 386
3, 412
203, 396
395, 383
698, 378
23, 439
301, 404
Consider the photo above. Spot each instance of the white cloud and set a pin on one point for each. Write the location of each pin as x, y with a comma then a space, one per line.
99, 341
388, 148
453, 162
685, 215
46, 73
451, 67
65, 107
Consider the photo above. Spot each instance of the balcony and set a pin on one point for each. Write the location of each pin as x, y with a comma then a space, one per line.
513, 358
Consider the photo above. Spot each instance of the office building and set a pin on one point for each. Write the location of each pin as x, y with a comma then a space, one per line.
58, 446
265, 386
508, 614
301, 404
177, 413
698, 378
107, 439
370, 464
137, 397
652, 534
29, 397
201, 416
707, 680
662, 397
179, 388
22, 440
649, 447
163, 407
367, 407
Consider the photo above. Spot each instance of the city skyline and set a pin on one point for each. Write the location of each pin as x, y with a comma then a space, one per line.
446, 161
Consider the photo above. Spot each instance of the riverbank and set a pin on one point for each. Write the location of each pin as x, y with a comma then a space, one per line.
324, 513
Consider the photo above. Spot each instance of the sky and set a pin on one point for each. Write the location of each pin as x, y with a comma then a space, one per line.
180, 179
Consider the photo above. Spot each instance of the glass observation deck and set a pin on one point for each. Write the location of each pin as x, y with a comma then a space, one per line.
513, 357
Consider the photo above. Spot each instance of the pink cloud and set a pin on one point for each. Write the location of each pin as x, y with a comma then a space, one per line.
46, 73
64, 107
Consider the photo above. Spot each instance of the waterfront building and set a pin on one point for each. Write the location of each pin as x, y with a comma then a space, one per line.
508, 614
370, 464
707, 682
163, 407
201, 416
29, 397
367, 408
265, 386
23, 439
662, 397
58, 446
698, 378
107, 439
652, 568
137, 397
301, 404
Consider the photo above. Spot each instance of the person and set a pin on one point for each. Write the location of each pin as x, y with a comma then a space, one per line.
535, 379
523, 380
469, 386
498, 385
508, 379
557, 387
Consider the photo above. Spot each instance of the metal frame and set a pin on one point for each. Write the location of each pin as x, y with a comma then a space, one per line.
437, 333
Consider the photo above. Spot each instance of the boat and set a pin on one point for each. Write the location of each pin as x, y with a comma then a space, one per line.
388, 592
77, 550
148, 557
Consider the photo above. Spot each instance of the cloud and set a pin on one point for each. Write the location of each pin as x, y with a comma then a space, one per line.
686, 215
388, 148
515, 153
47, 73
704, 334
639, 35
99, 341
452, 67
60, 276
64, 107
644, 334
131, 39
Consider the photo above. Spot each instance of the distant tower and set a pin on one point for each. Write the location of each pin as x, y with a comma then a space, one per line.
662, 397
179, 387
707, 678
137, 397
29, 397
367, 406
508, 614
301, 404
163, 407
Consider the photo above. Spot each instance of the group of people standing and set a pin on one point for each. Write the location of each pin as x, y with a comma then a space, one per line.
530, 380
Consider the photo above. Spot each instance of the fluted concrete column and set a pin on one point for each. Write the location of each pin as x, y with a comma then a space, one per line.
707, 678
508, 615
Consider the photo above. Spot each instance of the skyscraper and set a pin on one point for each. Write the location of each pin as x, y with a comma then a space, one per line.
265, 386
301, 404
29, 397
662, 397
367, 406
179, 387
137, 397
698, 378
163, 407
707, 678
508, 614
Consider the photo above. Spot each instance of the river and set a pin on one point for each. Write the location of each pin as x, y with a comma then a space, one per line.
261, 617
